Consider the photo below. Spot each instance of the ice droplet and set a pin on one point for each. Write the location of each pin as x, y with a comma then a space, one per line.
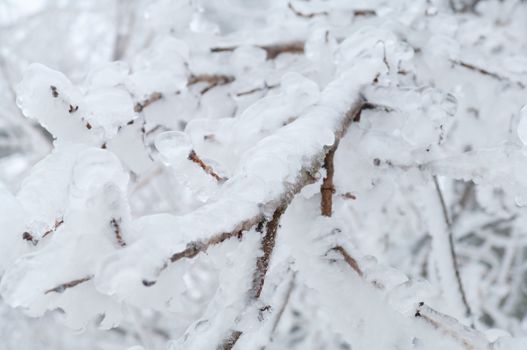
173, 145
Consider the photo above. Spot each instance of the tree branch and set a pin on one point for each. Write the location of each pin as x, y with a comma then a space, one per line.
486, 72
62, 287
212, 79
305, 15
268, 243
467, 337
154, 96
348, 259
273, 51
327, 188
206, 168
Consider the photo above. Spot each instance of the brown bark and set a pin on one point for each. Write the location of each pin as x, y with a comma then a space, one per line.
206, 168
327, 188
62, 287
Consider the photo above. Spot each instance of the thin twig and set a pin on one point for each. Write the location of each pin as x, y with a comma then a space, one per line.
263, 88
273, 51
62, 287
468, 338
206, 168
348, 259
306, 15
468, 311
212, 79
154, 96
117, 231
229, 343
327, 188
27, 236
280, 313
268, 243
364, 13
262, 265
486, 72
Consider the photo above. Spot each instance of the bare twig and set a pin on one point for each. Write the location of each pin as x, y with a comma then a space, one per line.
62, 287
31, 238
327, 188
212, 79
468, 338
262, 263
486, 72
273, 51
468, 311
263, 88
364, 13
117, 231
284, 305
58, 223
306, 15
206, 168
154, 96
229, 343
348, 259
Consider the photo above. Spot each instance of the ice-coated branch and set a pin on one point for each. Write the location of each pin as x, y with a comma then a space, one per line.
450, 327
486, 72
348, 259
229, 343
268, 243
117, 231
327, 188
66, 285
305, 15
262, 265
273, 51
305, 177
154, 96
193, 157
27, 236
280, 312
212, 80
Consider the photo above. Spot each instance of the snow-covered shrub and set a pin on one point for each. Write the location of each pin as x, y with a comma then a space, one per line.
304, 174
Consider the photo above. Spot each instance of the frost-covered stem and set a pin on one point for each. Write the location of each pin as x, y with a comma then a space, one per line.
306, 15
27, 236
193, 157
280, 312
273, 51
154, 96
452, 255
117, 231
327, 188
212, 79
348, 259
229, 343
263, 88
304, 177
62, 287
449, 326
486, 72
268, 243
262, 265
